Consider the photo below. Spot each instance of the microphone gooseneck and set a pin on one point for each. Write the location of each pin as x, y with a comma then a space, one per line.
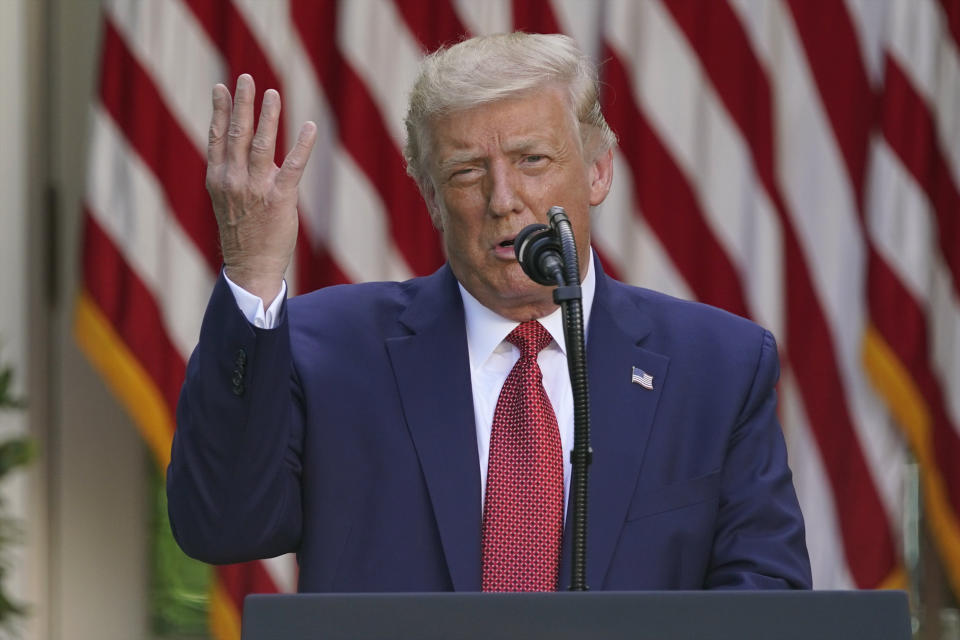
548, 255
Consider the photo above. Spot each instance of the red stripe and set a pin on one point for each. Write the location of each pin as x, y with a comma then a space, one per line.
831, 45
723, 48
609, 266
241, 51
903, 324
139, 110
951, 11
240, 579
666, 198
316, 268
534, 16
911, 131
364, 136
432, 23
243, 54
131, 309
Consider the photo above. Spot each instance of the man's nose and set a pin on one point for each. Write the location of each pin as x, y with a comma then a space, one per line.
504, 190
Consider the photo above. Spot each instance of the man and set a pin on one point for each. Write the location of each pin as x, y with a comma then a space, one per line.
397, 435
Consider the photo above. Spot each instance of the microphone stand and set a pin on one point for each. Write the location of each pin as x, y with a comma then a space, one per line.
568, 295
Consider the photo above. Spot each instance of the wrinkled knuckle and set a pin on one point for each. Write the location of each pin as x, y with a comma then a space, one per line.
236, 130
214, 135
260, 144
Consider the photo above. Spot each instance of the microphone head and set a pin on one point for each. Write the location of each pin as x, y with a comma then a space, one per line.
530, 245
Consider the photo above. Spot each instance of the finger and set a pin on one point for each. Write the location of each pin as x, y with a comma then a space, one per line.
296, 161
264, 143
241, 122
219, 121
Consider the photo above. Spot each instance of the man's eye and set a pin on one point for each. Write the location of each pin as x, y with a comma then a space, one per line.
459, 173
534, 159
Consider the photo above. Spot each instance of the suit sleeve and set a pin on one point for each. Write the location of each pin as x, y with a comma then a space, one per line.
233, 484
759, 541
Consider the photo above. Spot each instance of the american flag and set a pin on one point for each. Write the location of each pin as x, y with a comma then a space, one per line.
642, 378
793, 161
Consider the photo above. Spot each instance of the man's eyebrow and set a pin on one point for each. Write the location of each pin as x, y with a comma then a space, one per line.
526, 144
457, 158
469, 156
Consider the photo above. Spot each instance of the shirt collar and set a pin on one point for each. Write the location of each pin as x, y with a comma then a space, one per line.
486, 329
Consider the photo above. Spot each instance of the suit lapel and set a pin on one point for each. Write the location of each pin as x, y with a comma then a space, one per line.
432, 369
622, 414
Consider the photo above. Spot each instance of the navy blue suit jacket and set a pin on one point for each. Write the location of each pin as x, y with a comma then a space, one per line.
347, 435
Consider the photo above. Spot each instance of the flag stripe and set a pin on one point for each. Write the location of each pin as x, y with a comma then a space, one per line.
131, 308
824, 534
622, 233
534, 16
808, 343
128, 94
832, 50
152, 243
364, 136
920, 42
951, 11
432, 24
183, 69
917, 147
667, 200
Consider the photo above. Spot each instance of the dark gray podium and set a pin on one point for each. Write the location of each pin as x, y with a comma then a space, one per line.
655, 615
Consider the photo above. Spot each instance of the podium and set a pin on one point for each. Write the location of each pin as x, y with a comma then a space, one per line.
653, 615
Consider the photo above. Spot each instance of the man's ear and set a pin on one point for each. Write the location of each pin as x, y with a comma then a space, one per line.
429, 193
601, 177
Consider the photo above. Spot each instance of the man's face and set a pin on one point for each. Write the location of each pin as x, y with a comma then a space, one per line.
499, 167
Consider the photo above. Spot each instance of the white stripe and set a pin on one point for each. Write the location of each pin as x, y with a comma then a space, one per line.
128, 203
823, 212
624, 238
922, 45
901, 226
755, 16
340, 210
361, 240
489, 16
707, 146
870, 23
375, 42
283, 572
582, 22
168, 42
824, 537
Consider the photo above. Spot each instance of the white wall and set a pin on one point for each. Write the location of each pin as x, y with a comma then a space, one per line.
99, 573
83, 567
14, 340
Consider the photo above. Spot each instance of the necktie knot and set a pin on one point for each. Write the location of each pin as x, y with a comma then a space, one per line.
530, 337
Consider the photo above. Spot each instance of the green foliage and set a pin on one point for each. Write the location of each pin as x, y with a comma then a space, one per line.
7, 399
14, 453
180, 588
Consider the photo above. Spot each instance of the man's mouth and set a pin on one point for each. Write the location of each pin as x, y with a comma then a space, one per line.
507, 243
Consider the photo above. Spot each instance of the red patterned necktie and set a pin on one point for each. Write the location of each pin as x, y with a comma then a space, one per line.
523, 509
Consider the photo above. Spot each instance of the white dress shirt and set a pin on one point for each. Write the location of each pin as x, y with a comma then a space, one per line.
491, 359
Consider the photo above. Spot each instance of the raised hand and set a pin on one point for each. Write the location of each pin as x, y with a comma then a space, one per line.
255, 201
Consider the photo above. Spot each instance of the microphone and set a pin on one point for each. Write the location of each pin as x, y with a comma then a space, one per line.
539, 254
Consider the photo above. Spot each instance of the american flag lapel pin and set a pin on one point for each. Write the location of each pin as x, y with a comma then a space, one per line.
642, 378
